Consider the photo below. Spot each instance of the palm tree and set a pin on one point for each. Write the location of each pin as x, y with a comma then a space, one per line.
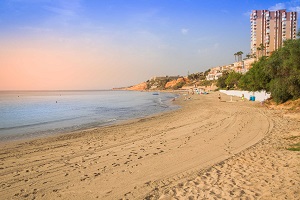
235, 54
239, 54
258, 50
262, 48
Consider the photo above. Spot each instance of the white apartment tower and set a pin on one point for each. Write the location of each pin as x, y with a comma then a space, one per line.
271, 29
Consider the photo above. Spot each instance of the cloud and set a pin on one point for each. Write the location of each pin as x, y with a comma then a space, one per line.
294, 6
295, 9
184, 31
291, 6
65, 8
60, 11
247, 14
278, 6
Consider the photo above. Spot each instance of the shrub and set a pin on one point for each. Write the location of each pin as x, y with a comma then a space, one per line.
178, 85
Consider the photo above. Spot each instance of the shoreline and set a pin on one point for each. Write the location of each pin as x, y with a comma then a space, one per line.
40, 134
133, 159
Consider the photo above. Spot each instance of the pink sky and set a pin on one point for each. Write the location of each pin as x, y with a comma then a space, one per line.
58, 64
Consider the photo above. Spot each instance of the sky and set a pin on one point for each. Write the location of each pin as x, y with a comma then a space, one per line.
102, 44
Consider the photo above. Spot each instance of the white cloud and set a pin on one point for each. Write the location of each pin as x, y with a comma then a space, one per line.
291, 6
60, 11
278, 6
295, 9
247, 14
184, 31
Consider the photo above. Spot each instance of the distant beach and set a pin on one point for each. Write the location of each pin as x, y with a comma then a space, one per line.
210, 149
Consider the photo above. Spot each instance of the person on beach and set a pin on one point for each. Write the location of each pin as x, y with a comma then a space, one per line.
219, 97
243, 97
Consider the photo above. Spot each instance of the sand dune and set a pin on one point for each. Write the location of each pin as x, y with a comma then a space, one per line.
206, 149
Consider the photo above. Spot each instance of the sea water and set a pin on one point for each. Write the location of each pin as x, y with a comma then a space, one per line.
30, 114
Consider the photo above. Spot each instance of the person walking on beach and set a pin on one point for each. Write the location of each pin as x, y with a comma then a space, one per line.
219, 97
243, 97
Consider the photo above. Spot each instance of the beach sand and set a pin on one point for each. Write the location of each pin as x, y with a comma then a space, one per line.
208, 149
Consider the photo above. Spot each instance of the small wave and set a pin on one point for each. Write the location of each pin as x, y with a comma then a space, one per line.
111, 120
160, 103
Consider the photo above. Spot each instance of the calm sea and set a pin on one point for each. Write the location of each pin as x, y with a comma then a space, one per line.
40, 113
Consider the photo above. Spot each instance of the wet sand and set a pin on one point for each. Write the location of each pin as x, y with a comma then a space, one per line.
208, 149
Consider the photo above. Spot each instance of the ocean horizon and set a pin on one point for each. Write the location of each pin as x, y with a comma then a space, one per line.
32, 114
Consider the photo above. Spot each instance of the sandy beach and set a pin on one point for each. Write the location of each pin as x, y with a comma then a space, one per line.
208, 149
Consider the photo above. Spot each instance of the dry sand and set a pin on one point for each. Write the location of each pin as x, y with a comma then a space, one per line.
206, 150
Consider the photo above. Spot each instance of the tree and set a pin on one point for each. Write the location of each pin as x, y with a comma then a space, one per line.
279, 74
206, 72
194, 76
256, 78
206, 82
258, 51
261, 49
284, 69
232, 79
240, 53
178, 85
221, 80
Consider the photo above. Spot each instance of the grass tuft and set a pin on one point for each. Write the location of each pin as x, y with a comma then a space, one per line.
294, 147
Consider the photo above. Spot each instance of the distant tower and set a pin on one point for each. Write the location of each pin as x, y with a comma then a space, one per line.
271, 29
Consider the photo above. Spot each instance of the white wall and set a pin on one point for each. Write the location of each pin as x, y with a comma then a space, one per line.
259, 96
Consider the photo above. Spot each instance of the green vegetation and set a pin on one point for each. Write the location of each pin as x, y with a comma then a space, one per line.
294, 147
200, 79
178, 85
206, 82
239, 55
233, 79
260, 50
198, 76
221, 83
256, 78
278, 74
158, 84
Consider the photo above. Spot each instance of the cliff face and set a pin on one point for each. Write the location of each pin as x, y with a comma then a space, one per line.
141, 86
159, 84
172, 83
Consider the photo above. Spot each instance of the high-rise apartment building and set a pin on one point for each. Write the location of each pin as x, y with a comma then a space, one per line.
271, 29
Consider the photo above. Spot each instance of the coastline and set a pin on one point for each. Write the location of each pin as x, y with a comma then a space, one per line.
57, 120
141, 158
